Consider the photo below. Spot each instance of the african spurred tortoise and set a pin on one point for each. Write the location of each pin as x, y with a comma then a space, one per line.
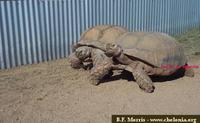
144, 54
84, 55
102, 33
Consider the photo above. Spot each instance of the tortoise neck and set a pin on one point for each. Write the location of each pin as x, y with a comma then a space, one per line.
118, 52
124, 59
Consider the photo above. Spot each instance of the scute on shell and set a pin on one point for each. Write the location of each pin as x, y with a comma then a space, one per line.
103, 33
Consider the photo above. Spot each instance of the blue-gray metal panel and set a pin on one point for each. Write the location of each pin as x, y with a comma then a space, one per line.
47, 30
51, 26
114, 12
2, 65
101, 11
61, 28
124, 13
168, 14
121, 18
56, 31
42, 29
5, 37
65, 24
27, 33
10, 34
32, 31
93, 11
37, 31
70, 23
74, 20
16, 34
86, 4
128, 14
22, 32
91, 18
117, 13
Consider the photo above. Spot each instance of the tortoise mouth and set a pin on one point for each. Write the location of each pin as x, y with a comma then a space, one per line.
109, 53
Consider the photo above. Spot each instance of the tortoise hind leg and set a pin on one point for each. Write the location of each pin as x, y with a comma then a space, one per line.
142, 79
189, 72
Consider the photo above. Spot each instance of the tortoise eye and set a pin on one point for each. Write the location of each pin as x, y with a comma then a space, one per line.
113, 45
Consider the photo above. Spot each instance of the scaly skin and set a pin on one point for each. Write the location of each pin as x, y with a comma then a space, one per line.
101, 66
140, 73
81, 58
101, 63
189, 72
142, 79
83, 52
75, 62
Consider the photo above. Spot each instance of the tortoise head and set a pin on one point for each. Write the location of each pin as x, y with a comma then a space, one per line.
113, 50
83, 52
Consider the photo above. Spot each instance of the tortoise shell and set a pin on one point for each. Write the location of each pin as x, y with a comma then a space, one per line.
154, 48
104, 33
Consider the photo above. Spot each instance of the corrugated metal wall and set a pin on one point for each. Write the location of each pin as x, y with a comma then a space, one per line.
32, 31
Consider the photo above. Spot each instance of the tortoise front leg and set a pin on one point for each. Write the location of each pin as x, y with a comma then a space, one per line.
119, 67
142, 79
99, 71
101, 66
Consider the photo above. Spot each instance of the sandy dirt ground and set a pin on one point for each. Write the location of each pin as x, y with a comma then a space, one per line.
53, 92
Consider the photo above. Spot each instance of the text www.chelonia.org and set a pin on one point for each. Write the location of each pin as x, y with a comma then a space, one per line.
155, 119
173, 120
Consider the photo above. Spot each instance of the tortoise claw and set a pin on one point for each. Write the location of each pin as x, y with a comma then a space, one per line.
189, 72
148, 88
94, 82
